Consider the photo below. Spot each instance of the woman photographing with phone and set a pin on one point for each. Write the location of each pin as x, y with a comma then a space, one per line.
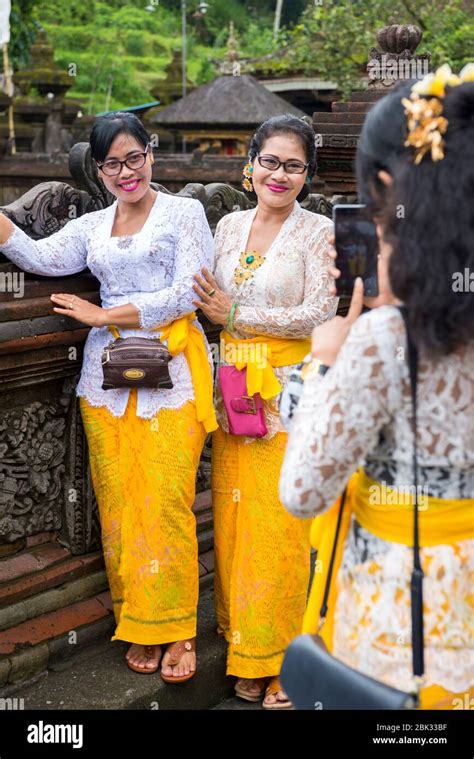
144, 441
360, 414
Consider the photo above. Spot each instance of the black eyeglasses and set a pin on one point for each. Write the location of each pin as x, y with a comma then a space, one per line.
289, 167
114, 166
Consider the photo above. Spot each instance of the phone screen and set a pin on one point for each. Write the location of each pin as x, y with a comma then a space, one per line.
357, 248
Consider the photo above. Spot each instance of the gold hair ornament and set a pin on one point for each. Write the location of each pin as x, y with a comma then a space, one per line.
424, 108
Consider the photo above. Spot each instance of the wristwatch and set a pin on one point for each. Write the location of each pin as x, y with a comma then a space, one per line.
314, 367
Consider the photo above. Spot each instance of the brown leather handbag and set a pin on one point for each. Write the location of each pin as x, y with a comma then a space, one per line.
136, 362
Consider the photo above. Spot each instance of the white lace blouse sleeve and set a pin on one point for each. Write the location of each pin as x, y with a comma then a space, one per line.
318, 304
339, 416
194, 249
63, 253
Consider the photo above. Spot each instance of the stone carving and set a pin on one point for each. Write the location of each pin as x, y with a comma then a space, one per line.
396, 61
81, 525
85, 175
222, 199
46, 208
398, 38
32, 463
318, 204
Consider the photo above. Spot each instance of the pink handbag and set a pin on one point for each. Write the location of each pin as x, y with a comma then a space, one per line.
245, 413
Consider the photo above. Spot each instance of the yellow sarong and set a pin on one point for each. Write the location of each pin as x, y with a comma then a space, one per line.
391, 519
262, 553
144, 473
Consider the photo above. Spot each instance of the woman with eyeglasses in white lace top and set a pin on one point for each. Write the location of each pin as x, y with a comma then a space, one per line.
144, 443
270, 287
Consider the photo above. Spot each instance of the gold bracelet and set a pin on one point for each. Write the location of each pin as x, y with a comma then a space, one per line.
314, 368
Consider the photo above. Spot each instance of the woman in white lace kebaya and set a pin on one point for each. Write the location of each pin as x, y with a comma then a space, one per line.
270, 288
359, 413
144, 443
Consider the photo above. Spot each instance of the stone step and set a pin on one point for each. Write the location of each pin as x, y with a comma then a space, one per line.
47, 626
52, 600
51, 576
46, 564
46, 594
357, 107
202, 501
99, 678
365, 96
350, 117
332, 128
31, 560
36, 632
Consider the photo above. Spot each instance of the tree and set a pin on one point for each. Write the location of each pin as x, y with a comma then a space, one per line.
23, 29
333, 38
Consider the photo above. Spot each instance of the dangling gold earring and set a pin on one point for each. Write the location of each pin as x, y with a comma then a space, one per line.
247, 181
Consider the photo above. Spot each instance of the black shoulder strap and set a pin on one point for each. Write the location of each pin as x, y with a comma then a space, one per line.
324, 605
417, 573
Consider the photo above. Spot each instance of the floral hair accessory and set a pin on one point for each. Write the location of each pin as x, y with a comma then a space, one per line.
424, 108
425, 126
247, 181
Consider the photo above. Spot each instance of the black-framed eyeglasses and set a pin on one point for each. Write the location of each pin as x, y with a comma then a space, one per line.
135, 161
289, 167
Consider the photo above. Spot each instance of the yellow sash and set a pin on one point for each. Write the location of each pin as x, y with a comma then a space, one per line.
260, 354
185, 337
387, 513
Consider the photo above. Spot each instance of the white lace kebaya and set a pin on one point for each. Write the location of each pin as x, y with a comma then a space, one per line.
287, 296
153, 270
359, 414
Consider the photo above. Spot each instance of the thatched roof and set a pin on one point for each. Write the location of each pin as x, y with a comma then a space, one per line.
233, 101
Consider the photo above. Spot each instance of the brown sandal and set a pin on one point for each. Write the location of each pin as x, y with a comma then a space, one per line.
176, 651
149, 652
273, 688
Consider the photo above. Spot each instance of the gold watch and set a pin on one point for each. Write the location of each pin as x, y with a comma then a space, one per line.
313, 368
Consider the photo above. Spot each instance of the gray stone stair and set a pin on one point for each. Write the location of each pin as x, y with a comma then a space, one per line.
98, 678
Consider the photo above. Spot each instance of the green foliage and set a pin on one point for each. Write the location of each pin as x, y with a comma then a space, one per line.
121, 47
22, 31
71, 13
333, 38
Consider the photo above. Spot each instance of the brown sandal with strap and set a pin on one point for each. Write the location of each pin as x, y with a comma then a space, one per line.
176, 651
149, 652
273, 689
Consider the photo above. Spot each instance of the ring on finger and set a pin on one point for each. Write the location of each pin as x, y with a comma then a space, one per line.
211, 292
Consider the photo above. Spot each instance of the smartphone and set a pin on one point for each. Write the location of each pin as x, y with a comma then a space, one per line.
357, 249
